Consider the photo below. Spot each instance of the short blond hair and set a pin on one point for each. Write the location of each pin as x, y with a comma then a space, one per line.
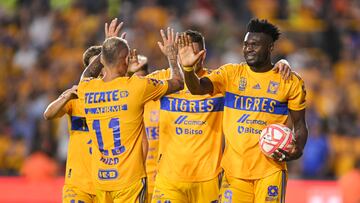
113, 49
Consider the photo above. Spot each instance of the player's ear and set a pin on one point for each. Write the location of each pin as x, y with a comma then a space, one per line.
271, 46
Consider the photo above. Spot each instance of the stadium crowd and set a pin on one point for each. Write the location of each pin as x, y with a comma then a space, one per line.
42, 42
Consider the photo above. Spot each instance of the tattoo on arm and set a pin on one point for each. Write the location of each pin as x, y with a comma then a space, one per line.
176, 82
93, 69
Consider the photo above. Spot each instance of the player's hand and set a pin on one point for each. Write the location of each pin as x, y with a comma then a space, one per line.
284, 68
136, 61
187, 55
70, 93
113, 29
281, 155
168, 47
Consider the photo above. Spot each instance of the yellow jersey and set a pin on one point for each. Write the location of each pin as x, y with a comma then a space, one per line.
151, 122
252, 101
114, 113
190, 137
78, 170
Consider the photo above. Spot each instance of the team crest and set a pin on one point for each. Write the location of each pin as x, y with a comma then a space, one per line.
273, 87
154, 116
272, 194
242, 84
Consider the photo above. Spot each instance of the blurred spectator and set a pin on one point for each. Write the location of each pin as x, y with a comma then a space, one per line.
316, 157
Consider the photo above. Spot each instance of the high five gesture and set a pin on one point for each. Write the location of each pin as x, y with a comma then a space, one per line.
187, 55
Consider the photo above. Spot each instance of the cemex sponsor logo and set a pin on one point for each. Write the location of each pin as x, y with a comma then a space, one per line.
183, 120
245, 119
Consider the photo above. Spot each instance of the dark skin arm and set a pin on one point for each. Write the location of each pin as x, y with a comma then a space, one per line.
196, 85
188, 58
301, 134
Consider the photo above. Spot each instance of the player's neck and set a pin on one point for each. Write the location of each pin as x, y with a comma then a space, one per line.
111, 74
261, 68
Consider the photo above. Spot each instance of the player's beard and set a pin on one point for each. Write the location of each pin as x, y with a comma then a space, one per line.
256, 61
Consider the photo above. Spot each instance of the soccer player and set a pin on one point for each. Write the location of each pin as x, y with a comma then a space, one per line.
190, 139
255, 96
78, 184
114, 107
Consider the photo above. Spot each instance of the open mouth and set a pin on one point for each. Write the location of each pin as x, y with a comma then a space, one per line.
250, 56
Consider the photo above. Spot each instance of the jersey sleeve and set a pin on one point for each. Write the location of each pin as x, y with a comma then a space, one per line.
153, 89
296, 100
163, 74
219, 79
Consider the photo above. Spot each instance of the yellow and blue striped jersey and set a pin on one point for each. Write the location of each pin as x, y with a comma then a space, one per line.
190, 137
78, 170
114, 113
252, 101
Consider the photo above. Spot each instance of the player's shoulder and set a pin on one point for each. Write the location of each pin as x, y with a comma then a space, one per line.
234, 66
140, 80
230, 67
135, 78
160, 73
296, 77
86, 81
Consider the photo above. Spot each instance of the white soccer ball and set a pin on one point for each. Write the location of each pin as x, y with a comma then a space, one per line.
276, 136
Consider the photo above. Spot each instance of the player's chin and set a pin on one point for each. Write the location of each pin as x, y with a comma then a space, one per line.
251, 62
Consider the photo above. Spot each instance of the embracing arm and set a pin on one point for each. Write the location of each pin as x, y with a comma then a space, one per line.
56, 108
93, 69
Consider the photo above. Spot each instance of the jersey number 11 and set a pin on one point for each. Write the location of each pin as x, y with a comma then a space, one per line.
114, 124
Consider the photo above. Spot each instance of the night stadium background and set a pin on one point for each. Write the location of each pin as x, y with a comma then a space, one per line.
41, 46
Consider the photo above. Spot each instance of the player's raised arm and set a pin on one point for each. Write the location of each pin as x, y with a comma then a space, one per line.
56, 108
188, 59
169, 48
94, 68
